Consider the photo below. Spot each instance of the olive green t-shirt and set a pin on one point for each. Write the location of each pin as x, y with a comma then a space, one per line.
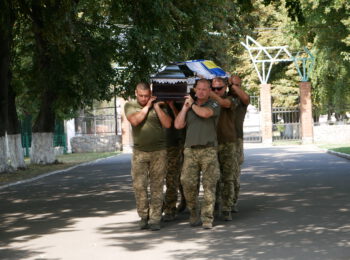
226, 130
149, 135
202, 131
241, 111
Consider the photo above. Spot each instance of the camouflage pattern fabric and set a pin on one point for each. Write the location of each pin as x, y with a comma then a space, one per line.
197, 160
229, 166
148, 169
237, 172
240, 150
174, 164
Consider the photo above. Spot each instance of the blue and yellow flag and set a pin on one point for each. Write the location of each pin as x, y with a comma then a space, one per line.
205, 69
213, 68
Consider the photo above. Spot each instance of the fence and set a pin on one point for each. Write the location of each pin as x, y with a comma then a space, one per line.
332, 125
59, 138
100, 121
332, 115
97, 130
251, 127
285, 123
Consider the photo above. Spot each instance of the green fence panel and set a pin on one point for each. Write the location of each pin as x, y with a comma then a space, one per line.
59, 137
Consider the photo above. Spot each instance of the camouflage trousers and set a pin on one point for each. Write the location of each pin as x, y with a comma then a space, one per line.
240, 150
228, 185
148, 169
197, 161
172, 180
237, 183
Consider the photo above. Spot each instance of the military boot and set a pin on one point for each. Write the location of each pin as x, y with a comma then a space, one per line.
154, 226
143, 224
182, 206
226, 215
234, 208
207, 225
194, 218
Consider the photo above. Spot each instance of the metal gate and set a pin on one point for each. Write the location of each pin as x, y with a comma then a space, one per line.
251, 127
285, 123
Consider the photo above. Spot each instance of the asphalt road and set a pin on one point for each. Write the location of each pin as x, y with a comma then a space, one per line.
294, 204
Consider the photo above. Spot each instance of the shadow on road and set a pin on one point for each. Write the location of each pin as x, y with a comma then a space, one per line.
52, 204
294, 204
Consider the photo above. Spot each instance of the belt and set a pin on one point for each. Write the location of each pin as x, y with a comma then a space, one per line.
200, 146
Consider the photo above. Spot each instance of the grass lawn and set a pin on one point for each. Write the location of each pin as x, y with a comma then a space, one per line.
340, 148
63, 162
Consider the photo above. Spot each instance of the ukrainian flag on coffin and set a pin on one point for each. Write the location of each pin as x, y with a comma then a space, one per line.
206, 69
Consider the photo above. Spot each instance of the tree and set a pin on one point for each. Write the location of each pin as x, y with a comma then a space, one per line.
63, 51
11, 156
323, 27
270, 23
71, 58
331, 76
175, 31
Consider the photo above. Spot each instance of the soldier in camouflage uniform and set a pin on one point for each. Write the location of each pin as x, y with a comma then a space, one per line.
200, 154
244, 100
175, 141
148, 168
227, 150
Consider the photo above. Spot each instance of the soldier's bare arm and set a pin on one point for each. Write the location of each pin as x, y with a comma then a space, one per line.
136, 118
244, 97
223, 102
204, 112
180, 120
164, 118
172, 107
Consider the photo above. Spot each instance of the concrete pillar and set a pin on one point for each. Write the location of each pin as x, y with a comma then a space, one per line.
127, 141
266, 113
306, 120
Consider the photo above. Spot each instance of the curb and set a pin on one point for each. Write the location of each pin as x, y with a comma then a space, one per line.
51, 173
343, 155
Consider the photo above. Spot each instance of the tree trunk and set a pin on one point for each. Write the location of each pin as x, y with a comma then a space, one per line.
3, 112
3, 161
4, 69
15, 152
42, 151
7, 20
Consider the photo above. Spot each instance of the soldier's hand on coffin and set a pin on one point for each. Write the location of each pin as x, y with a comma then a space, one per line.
193, 94
159, 103
188, 101
170, 103
150, 101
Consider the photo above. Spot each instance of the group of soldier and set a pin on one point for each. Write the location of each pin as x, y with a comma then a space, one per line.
198, 142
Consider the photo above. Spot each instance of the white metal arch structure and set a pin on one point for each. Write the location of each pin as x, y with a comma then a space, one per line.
263, 57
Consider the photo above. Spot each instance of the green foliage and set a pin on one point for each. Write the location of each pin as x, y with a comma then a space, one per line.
72, 58
174, 31
229, 23
328, 23
78, 42
322, 27
82, 43
269, 19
